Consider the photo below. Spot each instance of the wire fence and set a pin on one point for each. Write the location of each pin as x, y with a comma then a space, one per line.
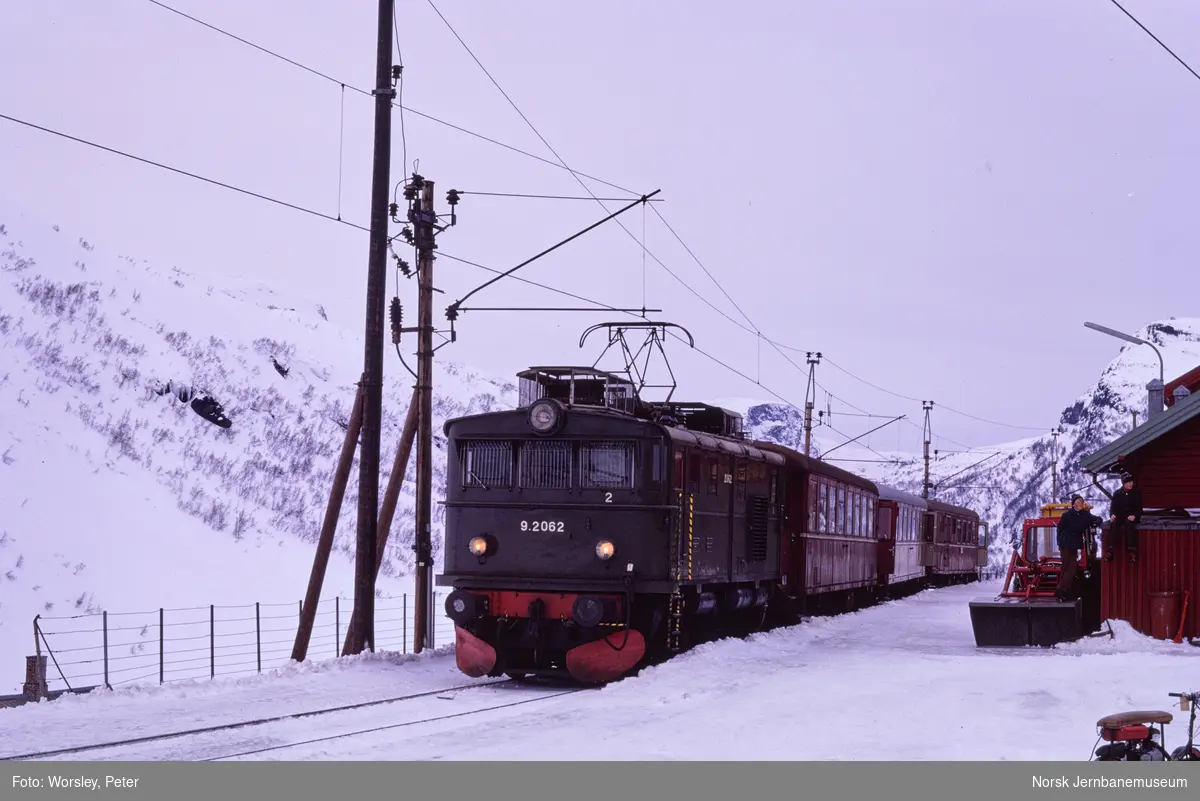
173, 645
992, 572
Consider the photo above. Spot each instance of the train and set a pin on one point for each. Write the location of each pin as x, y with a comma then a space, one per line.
589, 533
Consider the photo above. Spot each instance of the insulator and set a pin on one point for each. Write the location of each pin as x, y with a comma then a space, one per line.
396, 315
452, 197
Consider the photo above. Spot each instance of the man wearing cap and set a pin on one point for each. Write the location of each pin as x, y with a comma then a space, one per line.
1071, 527
1126, 513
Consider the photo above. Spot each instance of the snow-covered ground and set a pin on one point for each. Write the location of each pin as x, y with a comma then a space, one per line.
901, 681
115, 498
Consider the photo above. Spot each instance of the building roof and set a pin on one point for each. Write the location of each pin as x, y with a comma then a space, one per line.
1106, 460
1189, 381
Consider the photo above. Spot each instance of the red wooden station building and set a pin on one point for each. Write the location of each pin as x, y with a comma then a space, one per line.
1159, 593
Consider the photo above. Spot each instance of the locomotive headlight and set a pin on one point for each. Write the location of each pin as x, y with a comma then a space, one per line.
478, 546
545, 416
605, 549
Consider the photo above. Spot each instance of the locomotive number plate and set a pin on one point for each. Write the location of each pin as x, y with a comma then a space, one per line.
556, 526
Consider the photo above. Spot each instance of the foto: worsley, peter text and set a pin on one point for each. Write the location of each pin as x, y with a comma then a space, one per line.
74, 782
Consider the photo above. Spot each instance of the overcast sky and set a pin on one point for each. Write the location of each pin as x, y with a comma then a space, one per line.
936, 195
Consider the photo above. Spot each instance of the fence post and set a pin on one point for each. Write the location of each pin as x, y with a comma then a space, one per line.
404, 627
337, 625
160, 645
107, 686
212, 641
258, 636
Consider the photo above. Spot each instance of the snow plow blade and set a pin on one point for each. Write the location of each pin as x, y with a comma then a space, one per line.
1017, 622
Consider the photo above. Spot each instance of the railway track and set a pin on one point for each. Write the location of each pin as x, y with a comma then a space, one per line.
212, 743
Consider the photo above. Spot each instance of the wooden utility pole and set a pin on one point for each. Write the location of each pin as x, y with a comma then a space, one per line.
423, 611
368, 474
388, 510
810, 398
927, 406
308, 612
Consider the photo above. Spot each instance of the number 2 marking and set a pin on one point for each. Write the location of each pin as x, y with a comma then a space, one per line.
608, 497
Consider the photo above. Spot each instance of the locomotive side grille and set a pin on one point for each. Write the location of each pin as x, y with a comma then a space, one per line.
606, 465
756, 528
486, 463
546, 464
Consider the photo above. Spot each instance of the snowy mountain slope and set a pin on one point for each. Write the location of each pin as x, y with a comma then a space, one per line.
1011, 485
1009, 482
114, 497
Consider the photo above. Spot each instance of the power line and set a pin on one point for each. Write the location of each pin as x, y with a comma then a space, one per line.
366, 93
552, 197
160, 165
283, 203
753, 329
1155, 38
576, 174
333, 219
561, 164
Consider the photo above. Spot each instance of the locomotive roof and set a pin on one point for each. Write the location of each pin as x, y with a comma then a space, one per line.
559, 369
939, 506
726, 444
887, 493
806, 463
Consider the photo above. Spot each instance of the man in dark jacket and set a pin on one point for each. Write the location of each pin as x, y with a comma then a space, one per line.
1126, 513
1071, 527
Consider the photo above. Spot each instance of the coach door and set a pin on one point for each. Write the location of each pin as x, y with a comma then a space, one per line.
886, 532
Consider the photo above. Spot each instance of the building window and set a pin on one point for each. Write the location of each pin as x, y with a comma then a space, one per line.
545, 464
606, 465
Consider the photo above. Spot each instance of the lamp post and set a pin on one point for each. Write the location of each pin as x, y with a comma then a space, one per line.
1134, 340
1155, 404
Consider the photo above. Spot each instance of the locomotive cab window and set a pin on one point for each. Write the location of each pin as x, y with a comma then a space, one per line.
486, 464
545, 464
606, 465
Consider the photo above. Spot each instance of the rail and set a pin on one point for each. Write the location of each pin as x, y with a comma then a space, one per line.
166, 646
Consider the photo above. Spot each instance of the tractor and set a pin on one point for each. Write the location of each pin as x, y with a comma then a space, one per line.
1027, 612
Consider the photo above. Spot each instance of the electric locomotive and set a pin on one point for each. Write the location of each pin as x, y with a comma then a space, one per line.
588, 531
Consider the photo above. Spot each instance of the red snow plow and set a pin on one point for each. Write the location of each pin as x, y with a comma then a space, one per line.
1027, 612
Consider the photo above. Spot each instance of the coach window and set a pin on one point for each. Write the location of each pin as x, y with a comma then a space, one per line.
827, 504
843, 528
695, 470
712, 477
871, 511
812, 503
678, 466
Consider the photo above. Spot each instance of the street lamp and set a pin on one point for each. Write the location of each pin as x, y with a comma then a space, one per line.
1134, 340
1155, 399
